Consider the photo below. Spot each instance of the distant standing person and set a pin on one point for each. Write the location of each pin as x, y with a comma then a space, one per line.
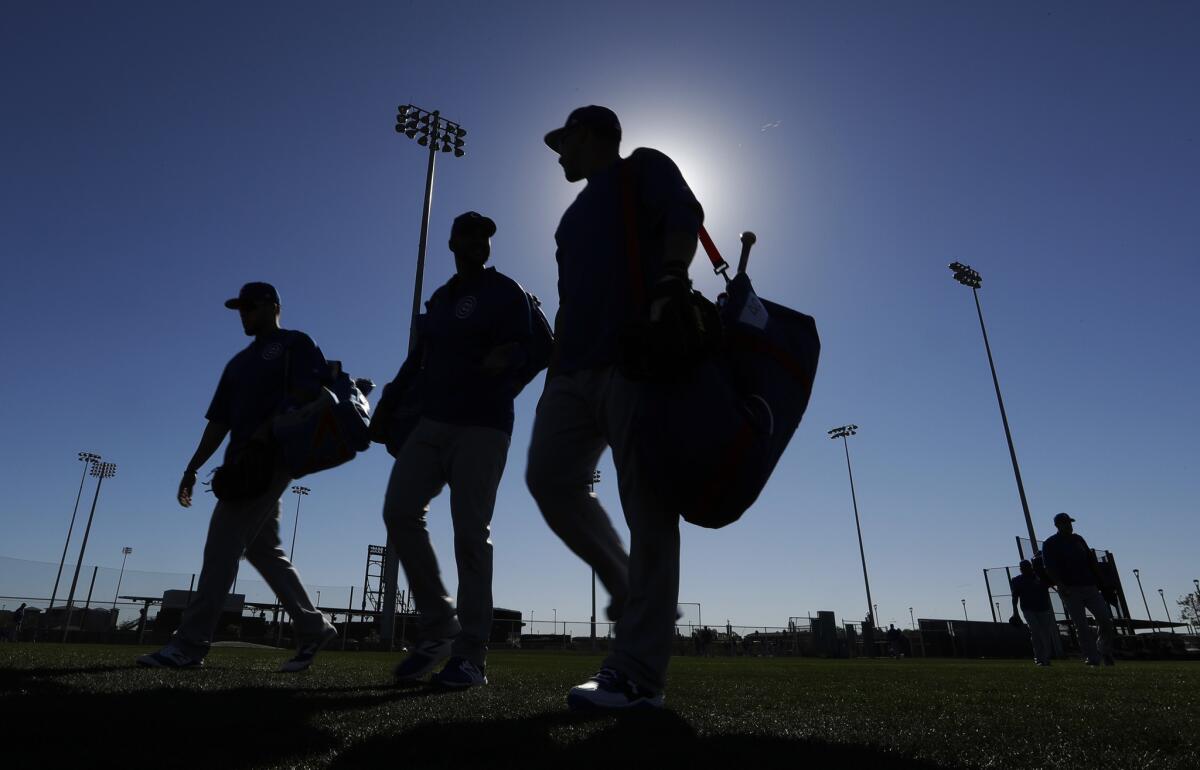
18, 615
473, 359
1034, 598
895, 641
1072, 566
250, 392
604, 262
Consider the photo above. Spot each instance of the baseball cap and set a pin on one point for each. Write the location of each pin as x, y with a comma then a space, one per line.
592, 116
473, 220
253, 293
1062, 517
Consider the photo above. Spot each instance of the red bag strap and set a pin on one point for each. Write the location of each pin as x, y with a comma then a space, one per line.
720, 266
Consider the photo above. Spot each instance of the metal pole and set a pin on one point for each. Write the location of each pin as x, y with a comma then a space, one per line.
346, 623
295, 526
1012, 452
912, 619
1170, 623
392, 566
86, 467
858, 527
964, 603
87, 604
592, 490
1137, 574
86, 532
124, 555
987, 583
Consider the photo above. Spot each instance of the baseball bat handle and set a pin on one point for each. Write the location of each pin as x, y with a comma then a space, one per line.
748, 240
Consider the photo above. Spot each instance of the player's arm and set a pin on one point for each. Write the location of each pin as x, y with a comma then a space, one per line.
309, 370
1093, 564
1049, 563
666, 194
515, 328
210, 441
1015, 595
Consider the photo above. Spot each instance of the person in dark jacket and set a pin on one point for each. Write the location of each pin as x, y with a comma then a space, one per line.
278, 370
1072, 566
471, 360
630, 234
1034, 598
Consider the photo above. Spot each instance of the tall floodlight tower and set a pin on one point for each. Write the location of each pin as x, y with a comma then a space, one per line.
101, 471
967, 276
844, 432
87, 458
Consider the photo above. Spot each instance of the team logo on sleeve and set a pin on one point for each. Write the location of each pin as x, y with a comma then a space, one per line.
465, 307
272, 351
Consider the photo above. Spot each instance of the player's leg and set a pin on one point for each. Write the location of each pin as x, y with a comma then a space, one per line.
265, 553
645, 633
1075, 604
232, 526
1099, 608
1039, 631
566, 445
476, 463
417, 477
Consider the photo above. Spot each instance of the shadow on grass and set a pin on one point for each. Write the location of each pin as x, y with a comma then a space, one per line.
182, 724
46, 719
643, 740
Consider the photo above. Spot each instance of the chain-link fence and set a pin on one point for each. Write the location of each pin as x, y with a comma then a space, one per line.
112, 604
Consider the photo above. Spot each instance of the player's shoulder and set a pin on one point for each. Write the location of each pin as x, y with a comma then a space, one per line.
650, 156
503, 282
295, 337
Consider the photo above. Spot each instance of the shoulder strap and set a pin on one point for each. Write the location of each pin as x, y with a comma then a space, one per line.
637, 280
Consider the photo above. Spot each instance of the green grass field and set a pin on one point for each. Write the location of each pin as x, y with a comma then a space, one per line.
79, 704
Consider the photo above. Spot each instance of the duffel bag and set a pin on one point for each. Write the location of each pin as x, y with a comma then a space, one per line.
327, 431
712, 438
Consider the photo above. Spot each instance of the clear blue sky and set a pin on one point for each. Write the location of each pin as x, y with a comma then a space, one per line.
155, 156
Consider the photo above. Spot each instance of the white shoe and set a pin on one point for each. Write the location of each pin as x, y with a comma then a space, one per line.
610, 689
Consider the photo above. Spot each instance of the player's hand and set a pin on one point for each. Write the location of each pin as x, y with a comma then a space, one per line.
1014, 620
186, 485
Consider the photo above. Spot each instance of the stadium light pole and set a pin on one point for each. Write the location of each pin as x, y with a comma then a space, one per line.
1138, 575
299, 492
965, 275
87, 458
964, 603
431, 130
912, 619
592, 491
121, 576
101, 471
1170, 623
844, 432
